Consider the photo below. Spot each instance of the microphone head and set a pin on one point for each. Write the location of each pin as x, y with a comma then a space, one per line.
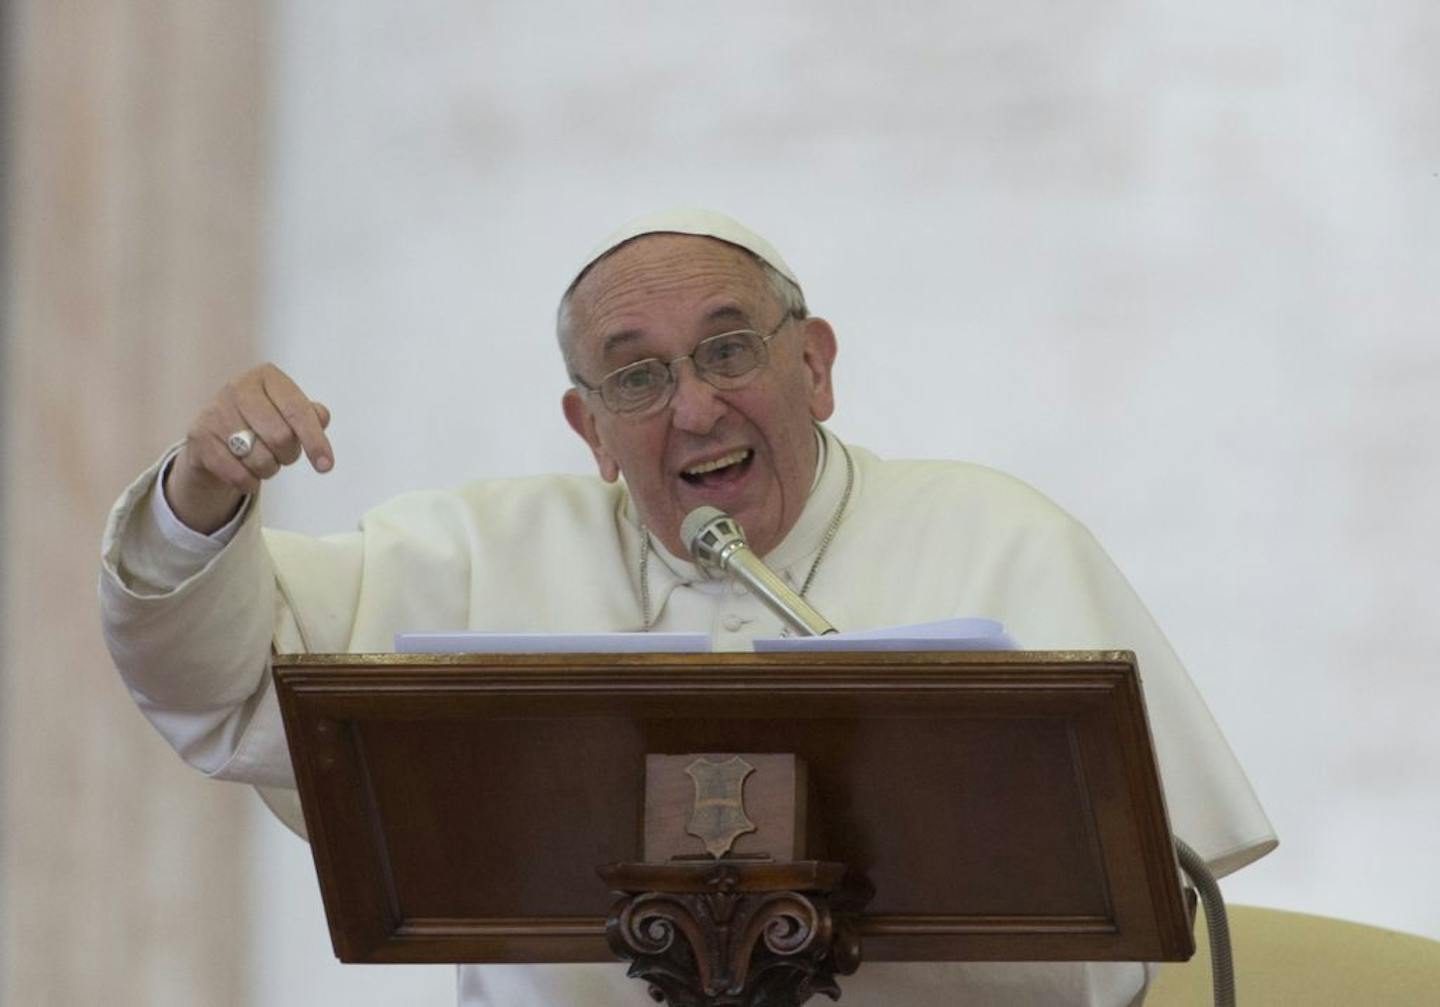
711, 535
695, 523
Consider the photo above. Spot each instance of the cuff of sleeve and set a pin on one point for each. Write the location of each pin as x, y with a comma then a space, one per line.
180, 535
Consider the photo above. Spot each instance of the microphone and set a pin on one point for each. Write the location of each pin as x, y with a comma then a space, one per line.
717, 542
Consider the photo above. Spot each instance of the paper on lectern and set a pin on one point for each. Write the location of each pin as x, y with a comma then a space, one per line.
551, 643
943, 634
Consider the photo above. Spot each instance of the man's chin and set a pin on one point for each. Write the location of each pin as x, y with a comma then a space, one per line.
759, 531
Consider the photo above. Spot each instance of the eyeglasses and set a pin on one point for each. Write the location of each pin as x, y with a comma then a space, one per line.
729, 360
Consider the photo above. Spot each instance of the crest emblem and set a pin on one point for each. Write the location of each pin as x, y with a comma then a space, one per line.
718, 817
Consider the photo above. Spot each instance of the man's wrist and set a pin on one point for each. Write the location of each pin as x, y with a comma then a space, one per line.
178, 532
202, 503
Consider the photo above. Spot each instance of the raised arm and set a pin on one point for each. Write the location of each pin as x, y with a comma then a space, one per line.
188, 597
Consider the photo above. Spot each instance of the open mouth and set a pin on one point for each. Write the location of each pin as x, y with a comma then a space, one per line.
719, 471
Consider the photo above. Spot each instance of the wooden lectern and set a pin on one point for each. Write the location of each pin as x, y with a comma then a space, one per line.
952, 807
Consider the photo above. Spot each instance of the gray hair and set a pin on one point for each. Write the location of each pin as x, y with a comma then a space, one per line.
786, 291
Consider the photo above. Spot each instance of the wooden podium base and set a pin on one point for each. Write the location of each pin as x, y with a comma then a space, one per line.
756, 934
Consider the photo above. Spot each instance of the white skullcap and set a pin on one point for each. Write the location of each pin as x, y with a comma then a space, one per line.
702, 223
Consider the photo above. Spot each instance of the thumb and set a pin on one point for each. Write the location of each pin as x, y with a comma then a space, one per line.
322, 414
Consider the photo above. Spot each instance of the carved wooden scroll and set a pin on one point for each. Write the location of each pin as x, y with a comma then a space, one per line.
711, 921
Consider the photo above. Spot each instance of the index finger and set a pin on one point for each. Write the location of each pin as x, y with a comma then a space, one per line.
302, 415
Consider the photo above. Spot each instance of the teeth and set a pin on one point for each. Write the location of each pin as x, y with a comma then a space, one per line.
733, 458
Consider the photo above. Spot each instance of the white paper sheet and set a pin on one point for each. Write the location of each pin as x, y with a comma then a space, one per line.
552, 643
943, 634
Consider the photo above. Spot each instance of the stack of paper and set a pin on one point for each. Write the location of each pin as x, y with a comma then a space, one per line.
946, 634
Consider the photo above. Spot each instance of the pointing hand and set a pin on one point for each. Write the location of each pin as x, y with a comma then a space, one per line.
212, 473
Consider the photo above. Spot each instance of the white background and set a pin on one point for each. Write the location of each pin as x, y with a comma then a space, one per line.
1174, 263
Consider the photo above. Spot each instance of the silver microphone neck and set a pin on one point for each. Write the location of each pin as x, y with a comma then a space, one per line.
717, 543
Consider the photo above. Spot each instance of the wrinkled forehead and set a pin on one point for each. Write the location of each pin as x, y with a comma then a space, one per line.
669, 279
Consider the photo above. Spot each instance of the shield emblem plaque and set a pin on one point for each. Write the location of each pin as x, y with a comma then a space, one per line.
718, 817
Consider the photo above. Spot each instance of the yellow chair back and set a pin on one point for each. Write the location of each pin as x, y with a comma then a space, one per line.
1284, 958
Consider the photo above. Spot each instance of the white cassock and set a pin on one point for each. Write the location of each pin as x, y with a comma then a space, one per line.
191, 625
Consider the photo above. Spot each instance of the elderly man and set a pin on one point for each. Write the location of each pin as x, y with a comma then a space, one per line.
698, 377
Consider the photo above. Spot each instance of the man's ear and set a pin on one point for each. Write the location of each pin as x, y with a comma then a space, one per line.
582, 421
819, 358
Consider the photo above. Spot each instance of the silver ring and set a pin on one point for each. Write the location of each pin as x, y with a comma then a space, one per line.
240, 442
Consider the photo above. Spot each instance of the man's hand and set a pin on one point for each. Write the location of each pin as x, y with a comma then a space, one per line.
207, 481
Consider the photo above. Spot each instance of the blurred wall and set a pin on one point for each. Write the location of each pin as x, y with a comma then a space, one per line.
1174, 263
132, 177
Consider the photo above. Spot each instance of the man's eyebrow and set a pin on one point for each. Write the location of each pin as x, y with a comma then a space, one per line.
728, 312
618, 339
724, 313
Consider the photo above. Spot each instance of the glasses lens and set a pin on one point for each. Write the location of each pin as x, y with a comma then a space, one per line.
730, 356
636, 388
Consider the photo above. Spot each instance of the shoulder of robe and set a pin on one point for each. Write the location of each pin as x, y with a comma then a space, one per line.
430, 560
522, 510
936, 492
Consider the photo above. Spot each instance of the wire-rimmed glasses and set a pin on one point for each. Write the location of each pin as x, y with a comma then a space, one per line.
728, 360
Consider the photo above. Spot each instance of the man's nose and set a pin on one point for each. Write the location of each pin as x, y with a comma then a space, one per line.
696, 405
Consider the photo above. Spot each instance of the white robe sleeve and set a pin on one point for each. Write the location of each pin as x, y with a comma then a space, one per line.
1071, 595
934, 540
195, 654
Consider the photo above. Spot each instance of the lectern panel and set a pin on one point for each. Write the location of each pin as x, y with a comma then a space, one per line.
1003, 806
